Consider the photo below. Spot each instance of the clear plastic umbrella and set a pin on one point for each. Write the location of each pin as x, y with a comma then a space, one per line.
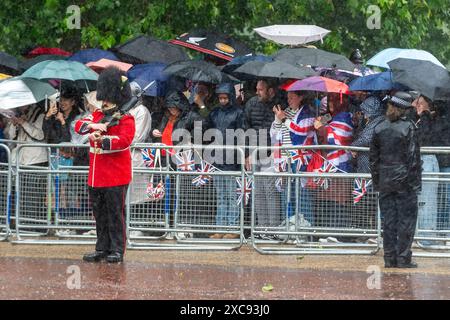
292, 34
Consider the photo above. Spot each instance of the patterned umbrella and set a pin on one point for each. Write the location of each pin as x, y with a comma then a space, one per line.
213, 43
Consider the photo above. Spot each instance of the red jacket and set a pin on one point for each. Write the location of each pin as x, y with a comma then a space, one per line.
109, 163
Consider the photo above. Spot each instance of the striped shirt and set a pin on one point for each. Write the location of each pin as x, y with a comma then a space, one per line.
280, 132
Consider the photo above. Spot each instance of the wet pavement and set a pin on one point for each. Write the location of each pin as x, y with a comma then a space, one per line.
50, 272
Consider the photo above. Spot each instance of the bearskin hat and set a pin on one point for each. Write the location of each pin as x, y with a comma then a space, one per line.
112, 87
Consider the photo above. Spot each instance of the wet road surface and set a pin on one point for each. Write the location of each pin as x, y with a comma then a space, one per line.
50, 272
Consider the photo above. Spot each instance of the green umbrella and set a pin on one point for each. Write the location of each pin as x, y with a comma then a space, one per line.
60, 69
18, 92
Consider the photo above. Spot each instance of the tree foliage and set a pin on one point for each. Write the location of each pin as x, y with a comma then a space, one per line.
417, 24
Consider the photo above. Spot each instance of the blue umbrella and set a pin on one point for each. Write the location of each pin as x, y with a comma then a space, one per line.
376, 82
92, 55
239, 61
143, 74
382, 58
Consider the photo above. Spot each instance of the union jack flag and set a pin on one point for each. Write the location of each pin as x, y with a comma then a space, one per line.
185, 161
203, 178
244, 192
155, 192
300, 158
361, 186
149, 157
326, 168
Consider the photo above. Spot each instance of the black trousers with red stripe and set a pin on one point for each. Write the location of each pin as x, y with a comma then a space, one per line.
108, 205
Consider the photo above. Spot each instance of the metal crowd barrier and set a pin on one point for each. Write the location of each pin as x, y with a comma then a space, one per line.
51, 204
5, 194
302, 217
186, 216
433, 226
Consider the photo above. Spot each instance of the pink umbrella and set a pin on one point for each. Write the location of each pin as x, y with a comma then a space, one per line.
101, 64
321, 84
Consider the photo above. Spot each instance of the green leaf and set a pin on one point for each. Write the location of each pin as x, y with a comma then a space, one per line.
267, 288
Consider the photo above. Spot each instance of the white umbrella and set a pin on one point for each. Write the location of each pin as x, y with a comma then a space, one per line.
292, 34
382, 58
17, 92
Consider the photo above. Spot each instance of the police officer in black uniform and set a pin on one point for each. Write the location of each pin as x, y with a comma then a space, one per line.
396, 173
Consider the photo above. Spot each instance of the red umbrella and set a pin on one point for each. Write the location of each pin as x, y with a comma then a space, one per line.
320, 84
44, 50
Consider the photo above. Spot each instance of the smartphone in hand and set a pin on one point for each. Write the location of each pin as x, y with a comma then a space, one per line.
325, 118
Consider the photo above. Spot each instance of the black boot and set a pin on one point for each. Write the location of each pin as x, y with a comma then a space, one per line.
390, 262
409, 265
114, 257
95, 256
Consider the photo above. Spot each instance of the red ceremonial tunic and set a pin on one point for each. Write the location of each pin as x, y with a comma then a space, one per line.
110, 161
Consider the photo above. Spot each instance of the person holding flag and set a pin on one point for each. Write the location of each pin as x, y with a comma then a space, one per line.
331, 204
295, 126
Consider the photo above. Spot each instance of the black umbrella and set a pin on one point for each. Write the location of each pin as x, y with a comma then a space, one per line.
197, 71
27, 64
443, 93
426, 77
8, 64
145, 49
272, 69
213, 43
239, 61
314, 57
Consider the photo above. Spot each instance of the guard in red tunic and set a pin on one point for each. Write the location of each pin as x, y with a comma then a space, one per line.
110, 134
